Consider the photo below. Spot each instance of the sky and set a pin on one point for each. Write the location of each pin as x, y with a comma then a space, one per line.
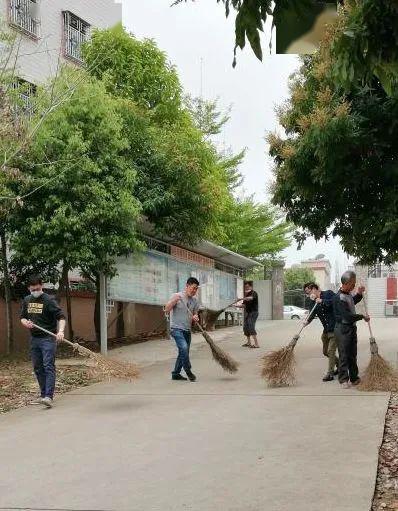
199, 42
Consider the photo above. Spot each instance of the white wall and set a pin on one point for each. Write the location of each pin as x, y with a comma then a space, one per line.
264, 290
38, 58
376, 296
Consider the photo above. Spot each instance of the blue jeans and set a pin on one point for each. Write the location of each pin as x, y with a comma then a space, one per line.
183, 342
42, 350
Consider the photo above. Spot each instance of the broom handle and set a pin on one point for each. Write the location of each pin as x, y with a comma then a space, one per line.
190, 312
52, 334
368, 322
303, 326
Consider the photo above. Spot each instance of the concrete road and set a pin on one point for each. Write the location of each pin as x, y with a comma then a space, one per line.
223, 443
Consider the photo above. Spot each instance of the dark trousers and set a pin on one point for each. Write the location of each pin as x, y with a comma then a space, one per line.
42, 350
183, 341
249, 323
347, 342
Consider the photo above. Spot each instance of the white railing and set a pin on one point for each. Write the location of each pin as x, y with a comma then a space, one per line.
22, 16
76, 32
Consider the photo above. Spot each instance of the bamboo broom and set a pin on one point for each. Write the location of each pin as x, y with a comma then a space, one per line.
220, 356
379, 374
211, 315
104, 368
279, 366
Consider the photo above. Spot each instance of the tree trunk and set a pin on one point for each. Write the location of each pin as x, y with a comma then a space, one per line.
97, 319
65, 281
7, 294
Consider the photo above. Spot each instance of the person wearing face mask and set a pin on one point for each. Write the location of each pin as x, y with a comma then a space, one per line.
346, 329
325, 312
41, 309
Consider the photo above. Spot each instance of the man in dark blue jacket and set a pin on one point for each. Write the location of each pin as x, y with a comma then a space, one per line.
346, 329
324, 311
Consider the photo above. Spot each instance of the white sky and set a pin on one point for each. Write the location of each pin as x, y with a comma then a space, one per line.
198, 32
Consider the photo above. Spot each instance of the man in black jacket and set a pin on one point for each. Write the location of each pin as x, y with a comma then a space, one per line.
41, 309
346, 329
325, 312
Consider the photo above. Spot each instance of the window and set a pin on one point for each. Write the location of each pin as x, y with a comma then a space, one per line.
76, 32
24, 16
25, 90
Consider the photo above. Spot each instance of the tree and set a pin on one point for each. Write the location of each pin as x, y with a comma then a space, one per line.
336, 169
207, 115
135, 70
84, 214
254, 230
296, 277
182, 182
250, 228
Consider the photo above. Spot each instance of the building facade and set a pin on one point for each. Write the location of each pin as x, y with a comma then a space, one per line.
51, 32
381, 283
322, 271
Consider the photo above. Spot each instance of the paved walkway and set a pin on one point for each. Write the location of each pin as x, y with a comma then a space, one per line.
224, 443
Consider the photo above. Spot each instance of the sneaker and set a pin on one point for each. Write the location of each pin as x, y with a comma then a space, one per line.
191, 376
356, 382
345, 385
47, 401
37, 401
328, 377
178, 377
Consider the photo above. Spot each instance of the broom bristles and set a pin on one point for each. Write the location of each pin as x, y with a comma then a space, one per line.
279, 366
379, 375
220, 356
211, 317
107, 368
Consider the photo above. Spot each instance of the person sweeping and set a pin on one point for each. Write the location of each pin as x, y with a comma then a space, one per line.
250, 307
325, 312
346, 330
183, 308
41, 309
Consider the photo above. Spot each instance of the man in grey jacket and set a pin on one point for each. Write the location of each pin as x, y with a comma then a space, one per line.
346, 329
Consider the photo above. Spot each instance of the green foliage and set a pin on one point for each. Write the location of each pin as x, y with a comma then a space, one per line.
366, 44
84, 213
135, 70
207, 116
254, 230
295, 278
182, 181
336, 171
251, 16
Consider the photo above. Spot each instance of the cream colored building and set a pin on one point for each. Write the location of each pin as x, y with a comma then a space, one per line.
322, 271
52, 31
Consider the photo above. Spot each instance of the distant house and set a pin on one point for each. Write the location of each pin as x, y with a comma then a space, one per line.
321, 269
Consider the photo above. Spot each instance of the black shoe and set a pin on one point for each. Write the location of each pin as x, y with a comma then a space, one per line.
179, 377
328, 377
191, 376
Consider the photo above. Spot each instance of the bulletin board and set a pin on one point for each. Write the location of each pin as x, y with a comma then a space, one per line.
152, 277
